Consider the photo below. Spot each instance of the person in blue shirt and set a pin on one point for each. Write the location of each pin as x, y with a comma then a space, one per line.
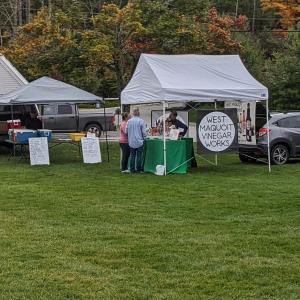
136, 130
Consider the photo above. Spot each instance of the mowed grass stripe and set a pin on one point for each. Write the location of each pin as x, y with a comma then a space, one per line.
74, 231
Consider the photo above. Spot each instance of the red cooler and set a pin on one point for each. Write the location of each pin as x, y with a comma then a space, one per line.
16, 124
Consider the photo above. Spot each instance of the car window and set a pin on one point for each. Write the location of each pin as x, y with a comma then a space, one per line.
4, 108
291, 122
7, 108
49, 110
65, 109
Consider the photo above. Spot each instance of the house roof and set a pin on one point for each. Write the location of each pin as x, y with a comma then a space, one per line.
10, 77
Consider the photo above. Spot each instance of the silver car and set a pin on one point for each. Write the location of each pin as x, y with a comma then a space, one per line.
284, 130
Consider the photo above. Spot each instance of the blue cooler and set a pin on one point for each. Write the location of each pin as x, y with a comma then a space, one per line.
21, 135
45, 133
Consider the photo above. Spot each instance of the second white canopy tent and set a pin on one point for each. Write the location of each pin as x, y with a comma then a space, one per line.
186, 78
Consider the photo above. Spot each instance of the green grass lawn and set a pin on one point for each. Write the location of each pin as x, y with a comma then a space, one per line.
74, 231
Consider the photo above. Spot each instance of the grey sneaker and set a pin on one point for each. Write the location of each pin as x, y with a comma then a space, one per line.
125, 171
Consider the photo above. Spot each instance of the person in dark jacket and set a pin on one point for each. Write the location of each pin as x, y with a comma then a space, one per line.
32, 122
178, 124
184, 128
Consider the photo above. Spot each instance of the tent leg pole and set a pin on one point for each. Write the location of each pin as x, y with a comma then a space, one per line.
105, 128
12, 117
118, 129
268, 135
216, 155
164, 132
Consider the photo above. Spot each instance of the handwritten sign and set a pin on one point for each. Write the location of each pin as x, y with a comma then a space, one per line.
217, 131
39, 151
91, 150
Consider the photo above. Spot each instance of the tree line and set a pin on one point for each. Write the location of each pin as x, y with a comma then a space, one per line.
95, 45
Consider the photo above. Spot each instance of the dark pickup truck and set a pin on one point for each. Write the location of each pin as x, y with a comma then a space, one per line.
67, 118
61, 118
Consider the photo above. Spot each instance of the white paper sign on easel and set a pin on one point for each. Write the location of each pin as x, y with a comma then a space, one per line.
91, 150
39, 151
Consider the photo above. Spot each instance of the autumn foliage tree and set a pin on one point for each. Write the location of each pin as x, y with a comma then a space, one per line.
219, 36
288, 11
99, 52
51, 46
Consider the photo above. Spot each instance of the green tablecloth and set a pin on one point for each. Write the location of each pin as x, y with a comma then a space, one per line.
178, 152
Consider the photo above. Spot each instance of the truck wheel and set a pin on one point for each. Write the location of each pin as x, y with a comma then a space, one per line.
279, 154
94, 128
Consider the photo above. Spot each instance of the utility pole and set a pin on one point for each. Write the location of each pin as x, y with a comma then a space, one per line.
20, 12
50, 8
28, 7
1, 40
236, 8
253, 17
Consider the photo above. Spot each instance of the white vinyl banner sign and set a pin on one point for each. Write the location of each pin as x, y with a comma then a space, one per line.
91, 150
39, 151
246, 114
216, 131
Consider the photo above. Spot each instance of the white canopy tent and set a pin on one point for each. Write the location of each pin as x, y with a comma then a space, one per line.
46, 90
186, 78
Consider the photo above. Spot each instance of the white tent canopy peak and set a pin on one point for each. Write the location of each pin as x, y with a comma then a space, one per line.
47, 90
182, 78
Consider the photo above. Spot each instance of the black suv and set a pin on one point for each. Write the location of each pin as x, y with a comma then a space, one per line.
284, 131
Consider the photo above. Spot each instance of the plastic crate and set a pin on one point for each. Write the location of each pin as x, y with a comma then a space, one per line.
76, 136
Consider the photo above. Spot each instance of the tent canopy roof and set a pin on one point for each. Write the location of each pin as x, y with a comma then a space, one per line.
182, 78
46, 90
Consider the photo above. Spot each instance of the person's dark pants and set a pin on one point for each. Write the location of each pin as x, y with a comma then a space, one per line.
136, 159
125, 156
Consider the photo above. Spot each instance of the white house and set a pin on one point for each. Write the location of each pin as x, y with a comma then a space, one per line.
10, 77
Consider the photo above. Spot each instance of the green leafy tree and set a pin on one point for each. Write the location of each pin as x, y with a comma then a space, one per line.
116, 40
252, 54
283, 75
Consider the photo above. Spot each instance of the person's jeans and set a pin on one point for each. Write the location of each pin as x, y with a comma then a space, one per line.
136, 159
125, 156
